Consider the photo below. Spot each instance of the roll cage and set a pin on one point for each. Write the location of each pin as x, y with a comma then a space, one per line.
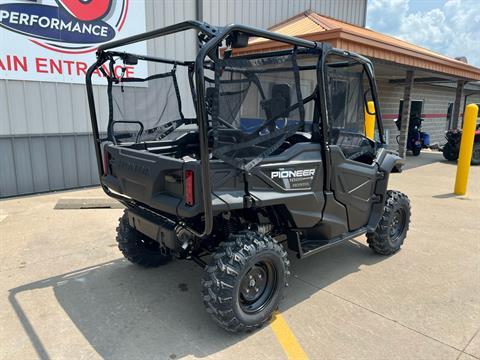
210, 38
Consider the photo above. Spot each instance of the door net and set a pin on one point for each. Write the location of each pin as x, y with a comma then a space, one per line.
255, 105
348, 93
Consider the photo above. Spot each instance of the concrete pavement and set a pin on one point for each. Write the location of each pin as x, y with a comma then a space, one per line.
67, 292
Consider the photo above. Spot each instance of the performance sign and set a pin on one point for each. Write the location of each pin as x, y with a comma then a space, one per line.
56, 40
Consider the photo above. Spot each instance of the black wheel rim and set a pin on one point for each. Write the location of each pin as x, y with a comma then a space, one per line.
258, 286
397, 225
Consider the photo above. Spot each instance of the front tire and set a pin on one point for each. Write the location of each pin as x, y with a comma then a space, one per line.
449, 152
416, 151
392, 229
244, 282
138, 248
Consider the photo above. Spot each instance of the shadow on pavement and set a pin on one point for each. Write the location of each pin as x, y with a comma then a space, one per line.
445, 196
128, 312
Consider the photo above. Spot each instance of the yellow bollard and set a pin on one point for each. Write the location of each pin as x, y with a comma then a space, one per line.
370, 120
466, 148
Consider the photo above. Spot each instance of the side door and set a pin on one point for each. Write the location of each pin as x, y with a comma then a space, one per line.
354, 173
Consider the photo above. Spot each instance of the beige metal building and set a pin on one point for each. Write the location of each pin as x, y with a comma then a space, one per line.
44, 126
45, 141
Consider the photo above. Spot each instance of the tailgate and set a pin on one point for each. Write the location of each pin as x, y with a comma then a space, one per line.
152, 179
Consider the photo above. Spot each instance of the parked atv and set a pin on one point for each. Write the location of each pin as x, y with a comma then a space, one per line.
416, 139
274, 158
452, 148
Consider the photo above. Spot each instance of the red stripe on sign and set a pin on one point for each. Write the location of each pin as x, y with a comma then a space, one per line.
61, 50
124, 16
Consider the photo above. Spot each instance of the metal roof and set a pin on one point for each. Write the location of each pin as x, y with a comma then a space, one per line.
312, 26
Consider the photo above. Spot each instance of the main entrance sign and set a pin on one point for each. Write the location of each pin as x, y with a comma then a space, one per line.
55, 40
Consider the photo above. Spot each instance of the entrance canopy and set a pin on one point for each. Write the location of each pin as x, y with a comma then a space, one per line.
312, 26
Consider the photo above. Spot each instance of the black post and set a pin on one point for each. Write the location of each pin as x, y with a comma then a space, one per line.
402, 142
456, 104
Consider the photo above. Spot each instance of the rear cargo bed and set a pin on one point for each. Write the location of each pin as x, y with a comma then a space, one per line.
153, 179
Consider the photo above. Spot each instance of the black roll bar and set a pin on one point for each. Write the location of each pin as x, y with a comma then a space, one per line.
152, 58
93, 114
172, 29
201, 110
214, 37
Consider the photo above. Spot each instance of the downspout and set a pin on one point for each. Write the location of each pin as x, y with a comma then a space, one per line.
198, 17
365, 13
199, 10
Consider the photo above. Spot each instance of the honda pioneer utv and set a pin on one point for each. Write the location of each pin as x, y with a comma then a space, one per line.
272, 156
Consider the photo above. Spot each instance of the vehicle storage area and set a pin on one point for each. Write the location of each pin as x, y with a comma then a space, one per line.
67, 290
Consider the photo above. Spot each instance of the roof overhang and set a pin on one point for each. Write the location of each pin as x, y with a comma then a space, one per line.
314, 27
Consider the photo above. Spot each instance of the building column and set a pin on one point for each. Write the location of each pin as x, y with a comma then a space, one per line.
456, 104
402, 142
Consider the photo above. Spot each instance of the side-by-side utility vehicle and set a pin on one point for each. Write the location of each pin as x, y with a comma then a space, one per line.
451, 149
233, 157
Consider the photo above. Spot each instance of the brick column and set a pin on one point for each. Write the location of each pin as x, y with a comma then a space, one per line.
402, 142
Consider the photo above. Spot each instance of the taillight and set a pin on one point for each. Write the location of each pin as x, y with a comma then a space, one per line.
189, 188
106, 157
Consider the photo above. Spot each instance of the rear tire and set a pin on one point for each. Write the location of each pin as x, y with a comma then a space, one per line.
476, 154
392, 229
138, 248
244, 282
449, 152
